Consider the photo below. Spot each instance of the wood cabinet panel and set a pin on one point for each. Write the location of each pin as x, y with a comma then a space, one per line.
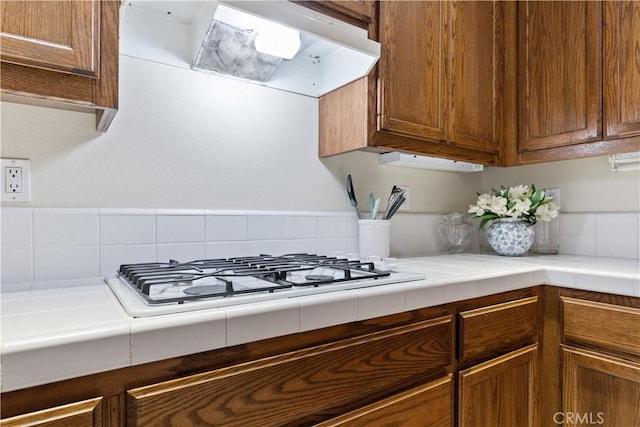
497, 328
318, 382
427, 405
413, 63
560, 73
621, 39
69, 42
500, 392
604, 325
477, 74
600, 389
81, 414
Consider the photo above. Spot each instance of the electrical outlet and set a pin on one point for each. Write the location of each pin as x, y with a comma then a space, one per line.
16, 180
407, 193
555, 193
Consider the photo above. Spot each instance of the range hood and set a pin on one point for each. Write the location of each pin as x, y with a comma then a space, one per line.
331, 53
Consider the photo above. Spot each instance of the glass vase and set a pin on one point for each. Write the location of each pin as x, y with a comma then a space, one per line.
455, 231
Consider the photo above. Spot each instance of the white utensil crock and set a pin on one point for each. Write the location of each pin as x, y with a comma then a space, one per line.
373, 238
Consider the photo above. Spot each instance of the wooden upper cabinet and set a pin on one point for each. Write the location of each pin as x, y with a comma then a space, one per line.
413, 83
477, 73
69, 42
621, 38
560, 77
61, 54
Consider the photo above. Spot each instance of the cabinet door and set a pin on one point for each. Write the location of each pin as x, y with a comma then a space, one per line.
69, 42
477, 74
501, 391
560, 88
412, 68
599, 389
82, 414
621, 68
427, 405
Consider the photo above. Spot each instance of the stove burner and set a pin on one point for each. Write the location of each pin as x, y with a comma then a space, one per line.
318, 277
206, 290
179, 282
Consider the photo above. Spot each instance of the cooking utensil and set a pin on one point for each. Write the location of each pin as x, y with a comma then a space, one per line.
352, 195
396, 192
396, 205
374, 211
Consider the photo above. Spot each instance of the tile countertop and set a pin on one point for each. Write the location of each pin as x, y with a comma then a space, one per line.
56, 332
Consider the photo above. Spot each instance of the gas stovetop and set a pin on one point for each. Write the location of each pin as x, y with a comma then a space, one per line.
149, 289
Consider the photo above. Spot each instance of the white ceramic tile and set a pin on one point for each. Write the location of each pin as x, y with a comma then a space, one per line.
65, 263
420, 296
617, 225
404, 225
430, 244
617, 247
577, 224
53, 230
428, 223
265, 227
518, 281
614, 285
403, 246
127, 229
636, 288
269, 247
17, 266
17, 229
375, 302
47, 364
111, 257
226, 249
180, 228
460, 291
300, 227
253, 322
329, 246
320, 311
352, 246
182, 252
332, 227
491, 286
560, 278
578, 245
226, 227
163, 337
301, 246
352, 226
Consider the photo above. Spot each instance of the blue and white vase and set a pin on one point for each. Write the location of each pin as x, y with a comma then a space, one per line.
510, 236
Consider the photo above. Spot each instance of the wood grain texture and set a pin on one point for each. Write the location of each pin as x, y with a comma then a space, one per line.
621, 41
602, 325
80, 414
428, 405
560, 87
299, 387
69, 42
601, 389
550, 397
488, 331
500, 392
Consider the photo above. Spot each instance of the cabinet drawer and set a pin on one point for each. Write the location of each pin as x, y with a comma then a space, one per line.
80, 414
429, 405
497, 328
604, 325
301, 387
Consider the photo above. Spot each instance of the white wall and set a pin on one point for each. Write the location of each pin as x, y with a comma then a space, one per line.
184, 139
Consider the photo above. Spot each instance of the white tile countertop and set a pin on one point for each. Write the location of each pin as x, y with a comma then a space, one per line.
52, 332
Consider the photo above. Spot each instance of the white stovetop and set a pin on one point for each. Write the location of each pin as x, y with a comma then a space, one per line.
54, 332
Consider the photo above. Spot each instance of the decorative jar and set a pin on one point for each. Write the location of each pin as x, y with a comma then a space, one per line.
510, 236
455, 231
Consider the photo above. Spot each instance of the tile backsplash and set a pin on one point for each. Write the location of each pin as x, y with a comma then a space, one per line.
46, 244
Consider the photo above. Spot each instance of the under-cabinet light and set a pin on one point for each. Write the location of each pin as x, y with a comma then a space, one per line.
414, 161
625, 162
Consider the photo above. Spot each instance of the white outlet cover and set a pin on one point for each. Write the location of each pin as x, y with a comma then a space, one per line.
25, 195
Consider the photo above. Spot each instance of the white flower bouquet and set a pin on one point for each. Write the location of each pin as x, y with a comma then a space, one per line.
519, 202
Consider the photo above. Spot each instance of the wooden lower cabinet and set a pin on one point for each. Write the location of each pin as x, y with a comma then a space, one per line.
427, 405
81, 414
501, 391
599, 389
301, 387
